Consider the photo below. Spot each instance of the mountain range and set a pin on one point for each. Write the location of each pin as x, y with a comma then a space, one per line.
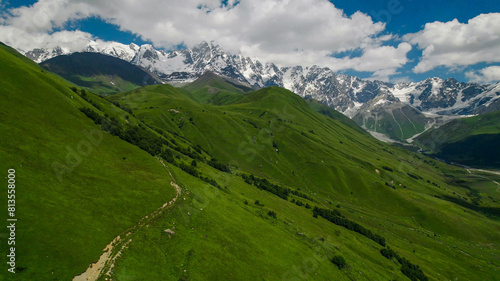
217, 181
400, 110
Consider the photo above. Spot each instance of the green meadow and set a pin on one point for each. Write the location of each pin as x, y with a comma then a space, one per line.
252, 165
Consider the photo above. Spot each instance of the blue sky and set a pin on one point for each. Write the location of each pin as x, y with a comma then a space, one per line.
411, 17
376, 39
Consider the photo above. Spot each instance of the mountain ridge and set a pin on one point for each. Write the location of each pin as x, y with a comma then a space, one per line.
100, 73
268, 187
344, 93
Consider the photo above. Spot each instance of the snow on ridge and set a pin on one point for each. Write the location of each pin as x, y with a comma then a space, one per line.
343, 92
382, 101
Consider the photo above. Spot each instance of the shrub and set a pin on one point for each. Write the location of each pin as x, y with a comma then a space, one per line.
387, 169
219, 166
337, 218
272, 214
339, 261
417, 177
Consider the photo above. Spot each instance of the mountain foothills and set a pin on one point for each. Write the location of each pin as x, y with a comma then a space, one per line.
261, 185
77, 187
469, 141
375, 105
100, 73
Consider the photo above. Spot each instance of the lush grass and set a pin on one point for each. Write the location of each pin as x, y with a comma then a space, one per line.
65, 220
219, 237
99, 73
398, 123
213, 89
469, 141
414, 202
332, 163
103, 84
328, 111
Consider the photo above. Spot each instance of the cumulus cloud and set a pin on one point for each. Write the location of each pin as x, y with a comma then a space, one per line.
287, 32
26, 28
454, 44
489, 74
25, 41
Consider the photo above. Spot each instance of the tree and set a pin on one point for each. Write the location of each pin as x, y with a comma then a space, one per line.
194, 163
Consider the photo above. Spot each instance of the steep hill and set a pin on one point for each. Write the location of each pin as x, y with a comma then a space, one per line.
342, 92
269, 190
272, 133
387, 115
347, 94
77, 187
100, 73
469, 141
214, 89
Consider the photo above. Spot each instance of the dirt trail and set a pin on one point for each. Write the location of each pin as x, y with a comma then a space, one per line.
486, 171
107, 259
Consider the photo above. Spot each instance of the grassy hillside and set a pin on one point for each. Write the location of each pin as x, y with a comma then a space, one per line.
469, 141
330, 112
397, 121
271, 190
422, 207
213, 89
99, 73
77, 187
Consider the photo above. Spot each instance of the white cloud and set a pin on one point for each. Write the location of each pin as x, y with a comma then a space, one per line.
22, 40
453, 44
33, 27
287, 32
489, 74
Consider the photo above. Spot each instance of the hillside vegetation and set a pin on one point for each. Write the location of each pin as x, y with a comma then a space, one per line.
414, 202
469, 141
270, 188
100, 73
78, 187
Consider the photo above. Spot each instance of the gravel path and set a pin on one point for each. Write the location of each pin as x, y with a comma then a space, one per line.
107, 260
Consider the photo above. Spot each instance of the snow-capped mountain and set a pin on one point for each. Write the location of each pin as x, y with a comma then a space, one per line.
121, 51
447, 97
40, 54
403, 110
386, 114
345, 93
118, 50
